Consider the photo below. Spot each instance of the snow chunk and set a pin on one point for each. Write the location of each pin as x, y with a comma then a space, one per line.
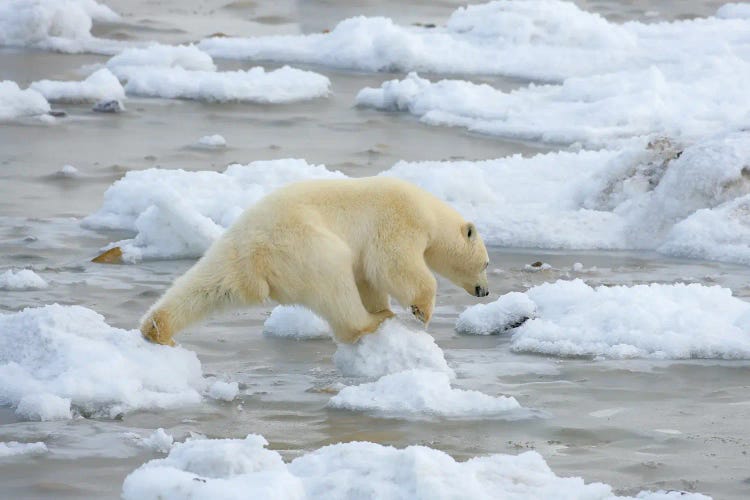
689, 101
100, 85
225, 391
14, 448
242, 468
296, 322
420, 392
212, 141
534, 39
25, 279
656, 321
179, 214
507, 312
254, 85
68, 171
55, 358
44, 407
15, 102
390, 349
157, 55
158, 440
61, 25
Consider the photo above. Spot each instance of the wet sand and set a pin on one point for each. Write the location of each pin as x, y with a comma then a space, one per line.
633, 424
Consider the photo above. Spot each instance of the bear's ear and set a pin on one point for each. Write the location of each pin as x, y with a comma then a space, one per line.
469, 230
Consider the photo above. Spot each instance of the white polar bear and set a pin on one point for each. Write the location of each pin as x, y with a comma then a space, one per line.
338, 247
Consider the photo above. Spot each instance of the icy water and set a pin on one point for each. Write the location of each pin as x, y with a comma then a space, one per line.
632, 424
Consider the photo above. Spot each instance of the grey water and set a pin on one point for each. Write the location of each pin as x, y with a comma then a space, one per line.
633, 424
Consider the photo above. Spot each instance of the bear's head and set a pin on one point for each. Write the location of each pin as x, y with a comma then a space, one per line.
460, 256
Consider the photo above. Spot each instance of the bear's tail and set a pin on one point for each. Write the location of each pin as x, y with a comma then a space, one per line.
211, 284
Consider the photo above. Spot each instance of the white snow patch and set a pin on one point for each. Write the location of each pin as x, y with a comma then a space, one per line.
15, 102
296, 322
225, 391
14, 448
242, 468
212, 141
533, 39
420, 392
390, 349
101, 85
688, 101
25, 279
254, 85
57, 358
179, 214
496, 317
157, 55
657, 321
61, 25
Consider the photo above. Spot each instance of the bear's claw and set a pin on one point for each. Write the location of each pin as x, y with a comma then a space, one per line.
417, 312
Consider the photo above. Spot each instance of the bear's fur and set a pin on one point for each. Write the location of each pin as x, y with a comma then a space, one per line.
338, 247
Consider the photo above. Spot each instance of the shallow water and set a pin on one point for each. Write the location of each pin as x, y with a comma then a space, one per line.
633, 424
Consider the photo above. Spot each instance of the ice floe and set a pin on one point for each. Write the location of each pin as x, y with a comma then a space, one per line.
100, 85
680, 200
419, 393
296, 322
60, 25
61, 361
242, 468
538, 39
659, 321
25, 279
509, 311
392, 348
224, 391
212, 141
687, 101
14, 449
179, 214
15, 102
254, 85
159, 440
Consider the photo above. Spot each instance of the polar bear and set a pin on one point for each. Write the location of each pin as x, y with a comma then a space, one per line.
338, 247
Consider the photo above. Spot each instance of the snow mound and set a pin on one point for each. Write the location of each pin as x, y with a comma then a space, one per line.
509, 311
534, 39
212, 141
734, 11
101, 85
61, 25
420, 392
60, 361
15, 102
25, 279
244, 468
177, 214
390, 349
688, 101
657, 321
14, 449
296, 322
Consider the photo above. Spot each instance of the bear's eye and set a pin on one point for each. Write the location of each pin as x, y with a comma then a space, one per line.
469, 234
486, 264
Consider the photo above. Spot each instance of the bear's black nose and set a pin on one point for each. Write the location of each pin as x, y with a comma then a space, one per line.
481, 292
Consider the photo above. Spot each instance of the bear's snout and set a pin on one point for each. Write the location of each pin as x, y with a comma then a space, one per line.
480, 291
